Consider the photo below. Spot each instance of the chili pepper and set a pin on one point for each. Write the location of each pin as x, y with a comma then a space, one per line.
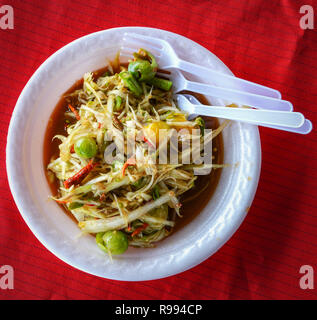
129, 162
72, 149
74, 111
80, 175
130, 82
160, 83
138, 230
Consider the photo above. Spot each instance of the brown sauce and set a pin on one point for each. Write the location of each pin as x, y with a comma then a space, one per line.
193, 201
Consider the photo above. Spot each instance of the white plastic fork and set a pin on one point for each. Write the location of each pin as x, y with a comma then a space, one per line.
168, 59
180, 83
305, 128
258, 117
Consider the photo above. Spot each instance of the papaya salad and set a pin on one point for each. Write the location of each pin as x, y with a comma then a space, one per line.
131, 200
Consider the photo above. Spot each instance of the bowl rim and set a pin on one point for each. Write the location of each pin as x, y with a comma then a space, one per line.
14, 185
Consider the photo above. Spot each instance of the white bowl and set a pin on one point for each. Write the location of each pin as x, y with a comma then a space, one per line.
186, 248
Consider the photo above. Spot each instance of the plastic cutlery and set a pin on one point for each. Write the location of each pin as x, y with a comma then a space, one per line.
305, 128
258, 117
180, 83
168, 59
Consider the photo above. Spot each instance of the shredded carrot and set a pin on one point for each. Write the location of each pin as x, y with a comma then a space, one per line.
148, 142
129, 162
72, 149
138, 230
74, 111
62, 201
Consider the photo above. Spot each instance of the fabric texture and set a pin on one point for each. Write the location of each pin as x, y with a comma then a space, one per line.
260, 41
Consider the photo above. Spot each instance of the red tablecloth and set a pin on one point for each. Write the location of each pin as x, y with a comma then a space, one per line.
260, 41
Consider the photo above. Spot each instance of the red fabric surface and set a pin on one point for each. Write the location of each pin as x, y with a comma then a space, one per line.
260, 41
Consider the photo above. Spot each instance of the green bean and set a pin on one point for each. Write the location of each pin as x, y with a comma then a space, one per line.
74, 205
118, 104
141, 70
155, 192
139, 183
145, 55
160, 83
130, 82
153, 60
